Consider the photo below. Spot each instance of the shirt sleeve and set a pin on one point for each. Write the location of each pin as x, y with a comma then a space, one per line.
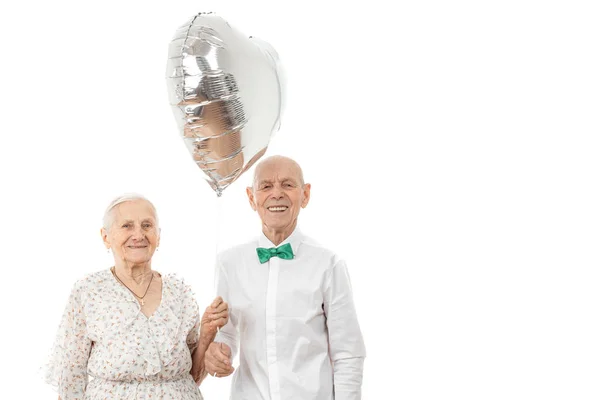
346, 346
67, 367
229, 333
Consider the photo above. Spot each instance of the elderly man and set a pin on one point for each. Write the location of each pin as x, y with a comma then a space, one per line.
291, 309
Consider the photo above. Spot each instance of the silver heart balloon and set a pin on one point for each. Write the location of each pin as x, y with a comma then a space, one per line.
226, 92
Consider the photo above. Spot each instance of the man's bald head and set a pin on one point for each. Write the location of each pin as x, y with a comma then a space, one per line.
277, 162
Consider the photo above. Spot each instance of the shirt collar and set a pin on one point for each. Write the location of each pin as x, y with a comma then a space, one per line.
294, 240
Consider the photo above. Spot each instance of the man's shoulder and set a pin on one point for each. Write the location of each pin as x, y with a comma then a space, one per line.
318, 249
236, 252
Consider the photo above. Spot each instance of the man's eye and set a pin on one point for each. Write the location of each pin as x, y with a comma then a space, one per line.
126, 225
147, 226
266, 187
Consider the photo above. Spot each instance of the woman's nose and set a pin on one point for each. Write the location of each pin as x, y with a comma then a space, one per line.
138, 233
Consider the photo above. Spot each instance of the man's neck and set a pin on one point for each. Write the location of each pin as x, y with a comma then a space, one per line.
277, 236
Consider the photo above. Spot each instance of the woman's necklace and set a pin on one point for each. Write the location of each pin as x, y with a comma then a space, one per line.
145, 293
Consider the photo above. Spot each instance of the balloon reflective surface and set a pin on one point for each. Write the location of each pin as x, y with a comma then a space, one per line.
226, 93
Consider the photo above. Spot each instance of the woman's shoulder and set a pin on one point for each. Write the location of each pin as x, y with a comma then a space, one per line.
93, 279
89, 284
176, 284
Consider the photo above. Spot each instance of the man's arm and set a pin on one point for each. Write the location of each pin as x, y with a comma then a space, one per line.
346, 346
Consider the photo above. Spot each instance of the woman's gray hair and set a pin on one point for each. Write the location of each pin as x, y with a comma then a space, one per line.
109, 213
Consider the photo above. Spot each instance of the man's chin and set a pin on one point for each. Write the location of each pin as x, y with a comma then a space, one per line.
276, 224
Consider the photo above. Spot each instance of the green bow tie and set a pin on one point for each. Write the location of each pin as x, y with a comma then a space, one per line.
284, 252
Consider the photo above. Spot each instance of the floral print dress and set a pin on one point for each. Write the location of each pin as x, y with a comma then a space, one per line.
106, 348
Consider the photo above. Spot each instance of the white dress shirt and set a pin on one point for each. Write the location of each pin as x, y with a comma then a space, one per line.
294, 321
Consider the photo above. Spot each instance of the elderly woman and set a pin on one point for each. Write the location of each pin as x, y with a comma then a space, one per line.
137, 333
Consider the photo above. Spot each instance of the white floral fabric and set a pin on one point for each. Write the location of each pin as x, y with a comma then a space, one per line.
106, 348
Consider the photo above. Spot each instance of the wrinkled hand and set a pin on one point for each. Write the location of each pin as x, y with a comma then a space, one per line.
217, 360
215, 316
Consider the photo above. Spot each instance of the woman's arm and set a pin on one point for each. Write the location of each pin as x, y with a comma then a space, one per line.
215, 316
67, 367
198, 368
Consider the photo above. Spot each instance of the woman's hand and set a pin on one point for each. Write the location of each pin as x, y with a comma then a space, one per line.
215, 316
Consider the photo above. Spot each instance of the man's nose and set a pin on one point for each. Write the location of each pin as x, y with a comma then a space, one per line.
277, 192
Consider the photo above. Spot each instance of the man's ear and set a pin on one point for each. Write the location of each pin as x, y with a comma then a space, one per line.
306, 192
251, 200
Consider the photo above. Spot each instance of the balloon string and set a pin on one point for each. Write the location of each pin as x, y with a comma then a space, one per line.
218, 222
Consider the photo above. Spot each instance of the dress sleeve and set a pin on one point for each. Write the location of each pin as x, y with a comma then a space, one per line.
67, 367
191, 317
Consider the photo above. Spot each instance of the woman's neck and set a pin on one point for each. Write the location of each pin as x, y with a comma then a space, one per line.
133, 272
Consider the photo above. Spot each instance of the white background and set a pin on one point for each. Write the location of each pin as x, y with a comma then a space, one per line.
452, 148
